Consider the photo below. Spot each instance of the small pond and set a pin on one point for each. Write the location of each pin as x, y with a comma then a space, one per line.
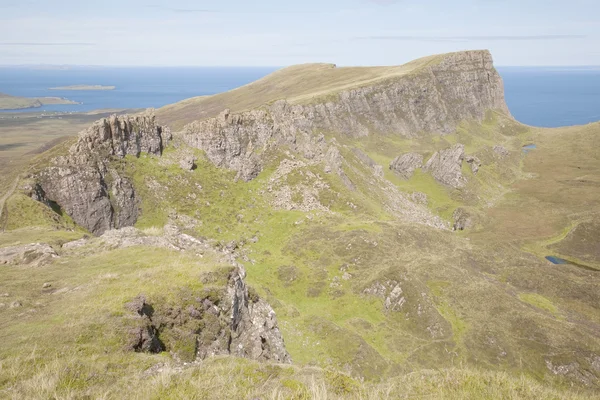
556, 260
527, 148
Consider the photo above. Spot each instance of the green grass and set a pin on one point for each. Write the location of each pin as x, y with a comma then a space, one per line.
539, 301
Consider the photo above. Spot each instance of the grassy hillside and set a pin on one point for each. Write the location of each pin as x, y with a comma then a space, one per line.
296, 83
370, 305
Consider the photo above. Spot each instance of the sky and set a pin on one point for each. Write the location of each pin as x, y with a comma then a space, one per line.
279, 32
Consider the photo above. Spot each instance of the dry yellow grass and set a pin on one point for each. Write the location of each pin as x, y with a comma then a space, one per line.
295, 84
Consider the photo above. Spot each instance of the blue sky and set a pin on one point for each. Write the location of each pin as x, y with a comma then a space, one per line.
276, 33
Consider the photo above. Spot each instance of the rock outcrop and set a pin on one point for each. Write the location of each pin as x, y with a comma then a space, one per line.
501, 151
233, 321
474, 162
434, 99
445, 166
462, 219
406, 164
34, 254
85, 186
368, 161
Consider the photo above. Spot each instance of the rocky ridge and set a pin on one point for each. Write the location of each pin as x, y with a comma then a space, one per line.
463, 86
83, 183
228, 317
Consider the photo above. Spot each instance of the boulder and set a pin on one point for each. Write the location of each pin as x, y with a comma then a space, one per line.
406, 164
34, 254
187, 163
446, 166
474, 163
462, 219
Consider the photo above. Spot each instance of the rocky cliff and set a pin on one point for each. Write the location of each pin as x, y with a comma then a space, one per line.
85, 186
432, 99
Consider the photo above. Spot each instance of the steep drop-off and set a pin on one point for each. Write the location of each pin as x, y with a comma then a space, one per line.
84, 184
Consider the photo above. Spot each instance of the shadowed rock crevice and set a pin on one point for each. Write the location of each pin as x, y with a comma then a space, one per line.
216, 321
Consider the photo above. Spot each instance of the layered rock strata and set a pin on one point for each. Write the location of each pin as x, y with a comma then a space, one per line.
83, 184
432, 99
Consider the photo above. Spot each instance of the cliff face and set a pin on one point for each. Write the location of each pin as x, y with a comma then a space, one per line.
431, 100
84, 185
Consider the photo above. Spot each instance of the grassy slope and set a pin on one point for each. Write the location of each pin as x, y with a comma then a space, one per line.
297, 83
493, 301
298, 265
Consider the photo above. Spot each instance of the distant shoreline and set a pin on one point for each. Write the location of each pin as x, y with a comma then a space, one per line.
9, 103
83, 87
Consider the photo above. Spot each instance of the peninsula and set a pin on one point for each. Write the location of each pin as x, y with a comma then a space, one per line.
83, 87
8, 102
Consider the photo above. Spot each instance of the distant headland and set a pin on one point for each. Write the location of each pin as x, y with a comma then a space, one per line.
83, 87
8, 102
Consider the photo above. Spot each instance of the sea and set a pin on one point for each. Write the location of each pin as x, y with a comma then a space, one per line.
538, 96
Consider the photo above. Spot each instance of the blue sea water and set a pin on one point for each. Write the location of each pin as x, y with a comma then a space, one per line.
135, 87
538, 96
552, 96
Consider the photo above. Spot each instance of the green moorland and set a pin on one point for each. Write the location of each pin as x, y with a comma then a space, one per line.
8, 102
484, 315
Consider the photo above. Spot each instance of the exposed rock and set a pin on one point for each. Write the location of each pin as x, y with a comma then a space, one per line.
501, 151
572, 370
333, 163
144, 336
406, 164
255, 333
445, 166
460, 86
231, 321
368, 161
474, 163
74, 244
391, 292
187, 163
46, 285
34, 254
419, 198
462, 219
16, 304
85, 187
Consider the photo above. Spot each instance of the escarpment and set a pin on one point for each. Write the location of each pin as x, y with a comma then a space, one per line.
83, 183
431, 99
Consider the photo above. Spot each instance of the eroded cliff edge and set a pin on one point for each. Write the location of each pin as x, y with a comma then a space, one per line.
432, 99
83, 183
